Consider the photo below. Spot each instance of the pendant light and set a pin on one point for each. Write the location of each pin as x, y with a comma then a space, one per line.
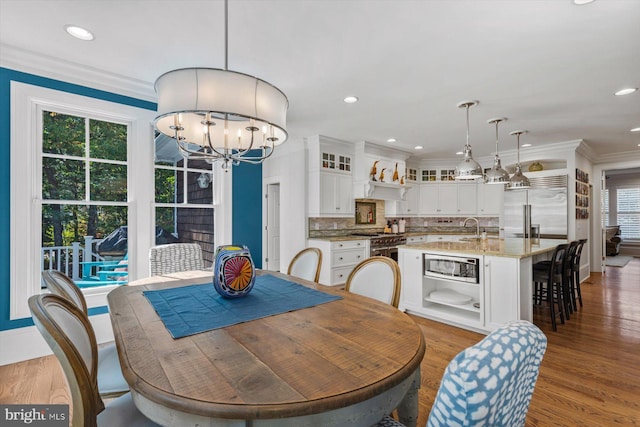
497, 175
468, 168
219, 115
518, 180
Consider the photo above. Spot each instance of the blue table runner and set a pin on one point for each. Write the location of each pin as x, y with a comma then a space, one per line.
192, 309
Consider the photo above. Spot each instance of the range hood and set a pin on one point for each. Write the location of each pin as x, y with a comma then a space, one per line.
384, 190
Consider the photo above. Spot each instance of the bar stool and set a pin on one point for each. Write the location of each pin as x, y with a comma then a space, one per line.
551, 274
575, 269
567, 279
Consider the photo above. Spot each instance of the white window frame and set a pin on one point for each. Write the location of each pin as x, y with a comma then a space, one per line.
27, 104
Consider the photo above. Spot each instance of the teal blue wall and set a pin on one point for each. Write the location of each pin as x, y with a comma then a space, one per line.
248, 179
247, 201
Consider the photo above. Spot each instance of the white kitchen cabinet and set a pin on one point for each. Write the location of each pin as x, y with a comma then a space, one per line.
467, 199
407, 207
490, 199
336, 194
448, 198
339, 258
410, 262
417, 239
508, 290
429, 199
417, 289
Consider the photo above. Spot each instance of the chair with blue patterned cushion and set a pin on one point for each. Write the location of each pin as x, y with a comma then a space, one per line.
490, 383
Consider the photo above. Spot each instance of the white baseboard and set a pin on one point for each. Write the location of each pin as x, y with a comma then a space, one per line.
26, 343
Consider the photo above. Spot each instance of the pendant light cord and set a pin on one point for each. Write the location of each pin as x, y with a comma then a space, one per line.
497, 121
468, 125
226, 35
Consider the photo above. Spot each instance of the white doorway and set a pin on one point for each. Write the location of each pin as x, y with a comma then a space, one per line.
272, 256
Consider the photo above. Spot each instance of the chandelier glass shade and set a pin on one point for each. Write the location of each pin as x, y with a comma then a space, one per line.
496, 175
221, 115
468, 168
518, 180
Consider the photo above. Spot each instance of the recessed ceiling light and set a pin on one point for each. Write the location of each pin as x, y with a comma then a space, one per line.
78, 32
626, 91
418, 147
581, 2
391, 140
635, 129
351, 99
525, 145
459, 153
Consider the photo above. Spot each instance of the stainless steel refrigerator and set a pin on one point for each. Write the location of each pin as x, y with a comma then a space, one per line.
548, 209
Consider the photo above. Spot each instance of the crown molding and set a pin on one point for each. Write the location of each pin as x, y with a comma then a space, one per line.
70, 72
624, 157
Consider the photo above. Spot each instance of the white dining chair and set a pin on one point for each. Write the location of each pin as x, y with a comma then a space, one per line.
306, 264
174, 258
111, 383
69, 334
376, 277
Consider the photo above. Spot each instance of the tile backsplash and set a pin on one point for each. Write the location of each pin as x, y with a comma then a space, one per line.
328, 227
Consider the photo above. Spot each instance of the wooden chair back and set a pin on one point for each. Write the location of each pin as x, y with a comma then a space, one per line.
376, 277
306, 264
67, 331
61, 284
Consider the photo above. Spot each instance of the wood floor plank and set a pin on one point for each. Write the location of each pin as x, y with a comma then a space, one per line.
589, 377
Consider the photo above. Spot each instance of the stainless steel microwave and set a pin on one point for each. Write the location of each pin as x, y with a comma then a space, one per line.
456, 268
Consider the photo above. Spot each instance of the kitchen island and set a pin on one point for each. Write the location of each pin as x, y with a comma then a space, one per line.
472, 283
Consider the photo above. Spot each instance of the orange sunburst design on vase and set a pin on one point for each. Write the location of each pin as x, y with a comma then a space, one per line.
237, 273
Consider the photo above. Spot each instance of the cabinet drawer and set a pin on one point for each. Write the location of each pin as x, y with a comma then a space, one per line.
348, 244
339, 275
348, 257
416, 239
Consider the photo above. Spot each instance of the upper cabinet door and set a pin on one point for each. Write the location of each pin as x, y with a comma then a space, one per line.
467, 199
490, 199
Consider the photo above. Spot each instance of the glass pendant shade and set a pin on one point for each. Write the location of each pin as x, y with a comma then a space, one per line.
468, 168
518, 180
496, 175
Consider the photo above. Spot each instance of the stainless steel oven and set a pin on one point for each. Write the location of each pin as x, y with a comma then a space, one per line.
461, 269
384, 244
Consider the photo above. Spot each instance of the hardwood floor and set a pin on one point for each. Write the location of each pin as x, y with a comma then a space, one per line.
590, 375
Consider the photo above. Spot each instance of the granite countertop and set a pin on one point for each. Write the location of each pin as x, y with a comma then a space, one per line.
407, 234
509, 248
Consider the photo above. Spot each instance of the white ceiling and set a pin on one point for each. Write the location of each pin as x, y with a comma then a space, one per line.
549, 66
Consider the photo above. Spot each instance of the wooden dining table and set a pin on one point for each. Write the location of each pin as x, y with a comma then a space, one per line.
347, 362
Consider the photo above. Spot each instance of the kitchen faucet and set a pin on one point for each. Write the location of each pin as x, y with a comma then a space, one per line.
477, 225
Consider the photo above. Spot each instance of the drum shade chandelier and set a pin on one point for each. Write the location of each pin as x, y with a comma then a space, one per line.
518, 180
218, 115
496, 175
468, 168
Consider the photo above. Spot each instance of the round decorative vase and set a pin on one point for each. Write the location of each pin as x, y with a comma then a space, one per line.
234, 272
536, 166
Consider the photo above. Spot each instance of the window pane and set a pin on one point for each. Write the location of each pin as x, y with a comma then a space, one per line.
107, 140
63, 179
165, 186
197, 194
108, 182
67, 228
62, 134
628, 199
629, 226
187, 225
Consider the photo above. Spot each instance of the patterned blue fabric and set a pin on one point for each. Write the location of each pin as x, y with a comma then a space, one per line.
491, 383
